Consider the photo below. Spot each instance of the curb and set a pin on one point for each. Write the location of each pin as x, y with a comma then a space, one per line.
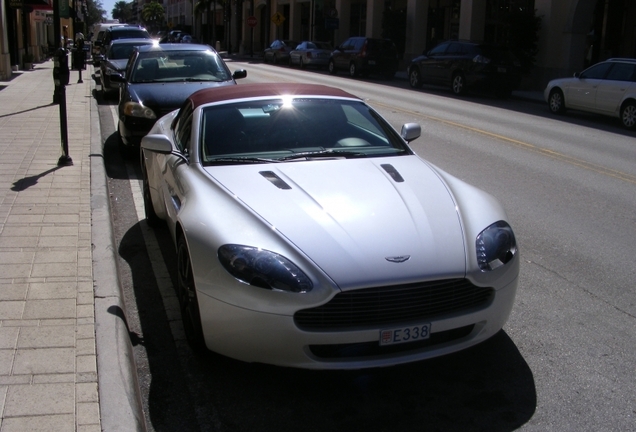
119, 394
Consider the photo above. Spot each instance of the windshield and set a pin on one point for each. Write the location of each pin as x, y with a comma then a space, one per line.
300, 129
122, 51
171, 66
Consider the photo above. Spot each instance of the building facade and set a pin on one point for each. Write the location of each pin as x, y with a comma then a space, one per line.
573, 33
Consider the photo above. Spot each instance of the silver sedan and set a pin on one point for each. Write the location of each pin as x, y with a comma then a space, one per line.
309, 53
310, 235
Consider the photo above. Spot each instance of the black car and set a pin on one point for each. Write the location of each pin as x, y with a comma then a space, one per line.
115, 60
158, 80
119, 32
463, 65
365, 56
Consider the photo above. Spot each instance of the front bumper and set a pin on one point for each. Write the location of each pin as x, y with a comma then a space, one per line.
133, 129
257, 336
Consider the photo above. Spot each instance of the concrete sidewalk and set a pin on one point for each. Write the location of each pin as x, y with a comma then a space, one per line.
61, 317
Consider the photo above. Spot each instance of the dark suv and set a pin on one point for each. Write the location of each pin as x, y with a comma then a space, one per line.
364, 56
118, 32
463, 65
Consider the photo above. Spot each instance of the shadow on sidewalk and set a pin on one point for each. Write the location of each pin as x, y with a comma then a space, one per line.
27, 182
27, 110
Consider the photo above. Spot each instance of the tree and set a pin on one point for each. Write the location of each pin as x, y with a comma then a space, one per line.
122, 11
95, 13
153, 15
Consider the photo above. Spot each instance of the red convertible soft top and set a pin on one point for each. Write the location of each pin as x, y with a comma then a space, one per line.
242, 91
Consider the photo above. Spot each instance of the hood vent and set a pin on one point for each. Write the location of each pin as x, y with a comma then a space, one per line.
395, 175
275, 180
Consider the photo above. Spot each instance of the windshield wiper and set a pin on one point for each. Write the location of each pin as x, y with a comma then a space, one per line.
240, 160
324, 153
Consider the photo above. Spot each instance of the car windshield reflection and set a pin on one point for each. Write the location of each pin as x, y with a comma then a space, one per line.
301, 129
171, 66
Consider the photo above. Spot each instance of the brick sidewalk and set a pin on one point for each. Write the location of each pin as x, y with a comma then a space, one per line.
48, 361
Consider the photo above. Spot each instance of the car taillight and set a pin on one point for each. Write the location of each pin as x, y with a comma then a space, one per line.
282, 49
481, 59
309, 54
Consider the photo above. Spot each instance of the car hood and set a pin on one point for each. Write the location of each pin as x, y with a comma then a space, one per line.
355, 219
168, 96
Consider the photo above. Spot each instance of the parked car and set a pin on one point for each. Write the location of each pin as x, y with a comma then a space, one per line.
278, 51
365, 56
309, 53
98, 36
171, 37
463, 65
607, 88
308, 233
159, 78
120, 32
115, 61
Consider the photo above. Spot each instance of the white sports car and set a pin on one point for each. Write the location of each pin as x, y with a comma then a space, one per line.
310, 235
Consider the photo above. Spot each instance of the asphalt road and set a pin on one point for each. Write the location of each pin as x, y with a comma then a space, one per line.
565, 361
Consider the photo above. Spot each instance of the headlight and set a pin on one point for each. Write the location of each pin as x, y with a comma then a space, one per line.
263, 268
496, 245
134, 109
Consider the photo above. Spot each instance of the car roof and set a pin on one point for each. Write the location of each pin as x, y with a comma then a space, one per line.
132, 41
243, 91
126, 27
623, 60
176, 47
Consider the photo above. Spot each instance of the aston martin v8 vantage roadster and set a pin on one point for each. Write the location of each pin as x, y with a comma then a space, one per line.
310, 235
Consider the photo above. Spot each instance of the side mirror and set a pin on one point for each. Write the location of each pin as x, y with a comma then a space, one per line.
241, 73
577, 74
411, 131
156, 143
117, 78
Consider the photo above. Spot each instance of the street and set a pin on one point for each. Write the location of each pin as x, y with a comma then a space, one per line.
564, 361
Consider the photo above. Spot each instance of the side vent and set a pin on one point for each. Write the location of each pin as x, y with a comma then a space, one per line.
395, 175
275, 180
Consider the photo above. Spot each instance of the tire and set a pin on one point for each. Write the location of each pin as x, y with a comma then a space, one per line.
353, 70
415, 79
628, 115
458, 84
331, 67
556, 101
188, 302
152, 219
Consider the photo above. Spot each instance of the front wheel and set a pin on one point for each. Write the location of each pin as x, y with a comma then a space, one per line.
415, 79
556, 102
628, 115
188, 299
353, 70
332, 67
459, 84
152, 219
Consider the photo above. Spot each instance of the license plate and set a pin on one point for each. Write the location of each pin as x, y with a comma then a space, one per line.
405, 334
501, 70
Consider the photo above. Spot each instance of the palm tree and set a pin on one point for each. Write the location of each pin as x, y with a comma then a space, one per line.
153, 15
122, 11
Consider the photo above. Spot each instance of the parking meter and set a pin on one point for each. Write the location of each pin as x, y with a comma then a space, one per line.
61, 72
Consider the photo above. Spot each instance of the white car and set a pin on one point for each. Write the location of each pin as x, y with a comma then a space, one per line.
310, 235
607, 88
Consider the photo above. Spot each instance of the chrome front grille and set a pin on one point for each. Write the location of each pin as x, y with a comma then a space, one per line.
395, 304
